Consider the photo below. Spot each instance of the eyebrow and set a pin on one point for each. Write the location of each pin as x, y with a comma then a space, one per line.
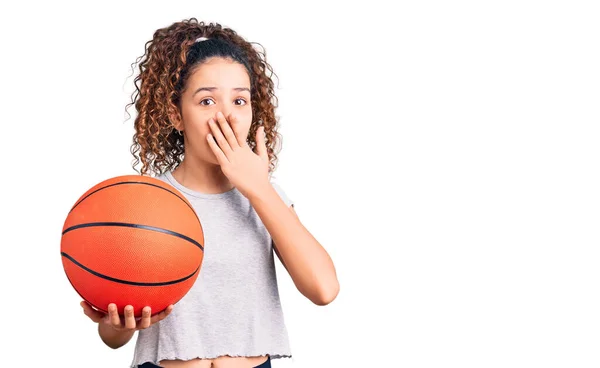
210, 89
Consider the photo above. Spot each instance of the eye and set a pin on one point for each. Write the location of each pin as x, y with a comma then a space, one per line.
241, 99
206, 99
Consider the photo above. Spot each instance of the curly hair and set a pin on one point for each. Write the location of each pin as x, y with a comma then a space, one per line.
169, 59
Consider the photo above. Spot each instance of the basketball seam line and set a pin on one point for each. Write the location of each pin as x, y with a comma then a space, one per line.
137, 226
136, 182
135, 283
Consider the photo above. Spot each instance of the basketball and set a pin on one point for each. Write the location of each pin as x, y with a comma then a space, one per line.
132, 240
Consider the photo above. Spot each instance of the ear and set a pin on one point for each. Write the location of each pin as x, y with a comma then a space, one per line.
175, 119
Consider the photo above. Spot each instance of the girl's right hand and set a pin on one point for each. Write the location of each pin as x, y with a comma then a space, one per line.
128, 322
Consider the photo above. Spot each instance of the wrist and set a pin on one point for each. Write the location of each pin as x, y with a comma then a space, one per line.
261, 192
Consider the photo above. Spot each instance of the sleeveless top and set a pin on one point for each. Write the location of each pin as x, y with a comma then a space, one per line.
233, 308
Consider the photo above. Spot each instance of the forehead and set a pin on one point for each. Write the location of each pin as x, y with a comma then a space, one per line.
220, 73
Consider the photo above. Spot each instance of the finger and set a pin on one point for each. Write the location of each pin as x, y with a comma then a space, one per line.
113, 316
89, 311
129, 319
227, 130
221, 157
219, 137
167, 311
261, 143
146, 320
234, 123
162, 315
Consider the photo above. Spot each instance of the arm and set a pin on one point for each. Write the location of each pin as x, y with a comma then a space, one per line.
305, 259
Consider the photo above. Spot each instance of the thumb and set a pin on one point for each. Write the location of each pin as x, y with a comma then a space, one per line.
261, 144
89, 311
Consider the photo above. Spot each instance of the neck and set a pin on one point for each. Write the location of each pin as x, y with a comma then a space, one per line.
201, 176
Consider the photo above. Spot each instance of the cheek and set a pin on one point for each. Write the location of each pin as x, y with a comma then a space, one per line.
243, 130
196, 123
198, 132
244, 123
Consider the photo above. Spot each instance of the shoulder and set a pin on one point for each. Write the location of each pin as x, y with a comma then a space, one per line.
163, 176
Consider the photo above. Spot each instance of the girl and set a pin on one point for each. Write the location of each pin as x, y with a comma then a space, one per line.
206, 125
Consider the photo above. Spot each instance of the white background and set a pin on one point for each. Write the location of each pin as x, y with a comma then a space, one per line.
444, 153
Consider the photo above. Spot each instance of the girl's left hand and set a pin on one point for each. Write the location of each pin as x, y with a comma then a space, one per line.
247, 171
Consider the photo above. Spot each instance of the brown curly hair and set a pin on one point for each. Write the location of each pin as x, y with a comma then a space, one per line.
163, 72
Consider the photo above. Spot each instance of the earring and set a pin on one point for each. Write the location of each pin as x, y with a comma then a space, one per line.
180, 132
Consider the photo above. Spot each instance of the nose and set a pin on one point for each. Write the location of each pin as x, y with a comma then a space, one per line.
225, 112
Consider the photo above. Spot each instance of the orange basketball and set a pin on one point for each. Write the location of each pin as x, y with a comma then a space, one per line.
135, 240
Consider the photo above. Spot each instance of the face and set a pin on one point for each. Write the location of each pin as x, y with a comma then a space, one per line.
217, 85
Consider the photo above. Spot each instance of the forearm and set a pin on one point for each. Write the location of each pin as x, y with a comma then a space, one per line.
113, 338
305, 259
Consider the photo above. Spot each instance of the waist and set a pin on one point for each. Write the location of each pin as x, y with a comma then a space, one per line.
220, 362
